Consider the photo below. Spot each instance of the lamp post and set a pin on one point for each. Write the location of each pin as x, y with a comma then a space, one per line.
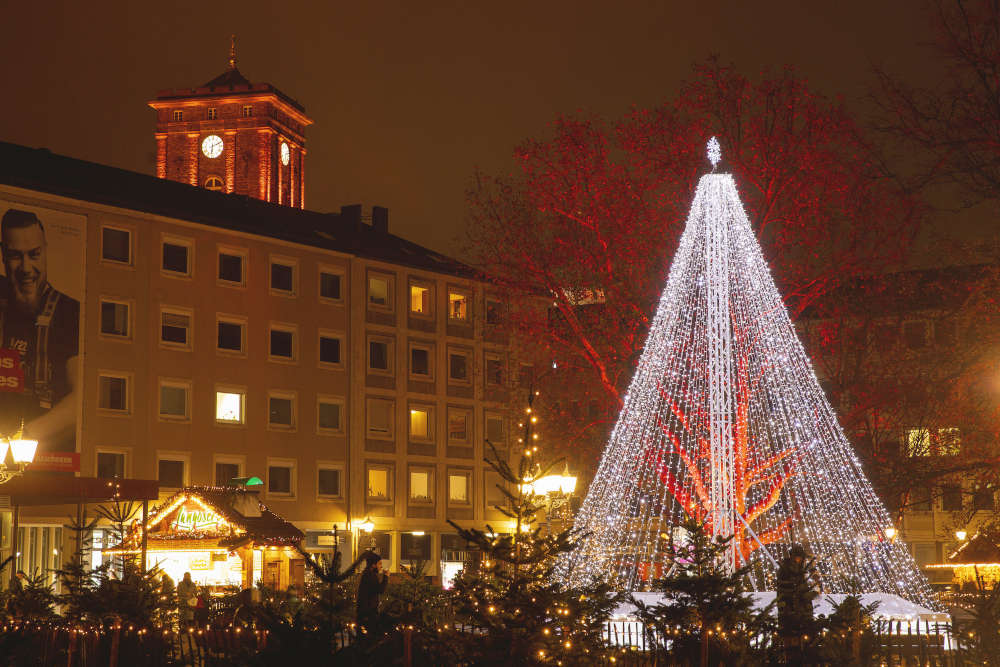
22, 452
557, 489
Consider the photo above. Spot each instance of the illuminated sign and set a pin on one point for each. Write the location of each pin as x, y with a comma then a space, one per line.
196, 521
11, 373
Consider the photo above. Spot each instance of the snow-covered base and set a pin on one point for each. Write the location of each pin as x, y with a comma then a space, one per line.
894, 615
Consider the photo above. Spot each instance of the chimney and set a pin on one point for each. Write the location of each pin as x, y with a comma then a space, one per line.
351, 216
380, 219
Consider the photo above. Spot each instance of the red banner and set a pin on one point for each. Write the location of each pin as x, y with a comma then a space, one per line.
56, 462
11, 373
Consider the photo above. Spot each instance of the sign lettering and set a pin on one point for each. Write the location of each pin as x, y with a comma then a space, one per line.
196, 520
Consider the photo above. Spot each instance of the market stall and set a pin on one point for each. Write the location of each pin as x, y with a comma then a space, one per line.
975, 564
223, 536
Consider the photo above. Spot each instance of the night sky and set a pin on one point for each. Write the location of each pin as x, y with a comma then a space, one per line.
409, 97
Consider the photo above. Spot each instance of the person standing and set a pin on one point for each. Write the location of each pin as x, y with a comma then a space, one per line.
187, 599
372, 585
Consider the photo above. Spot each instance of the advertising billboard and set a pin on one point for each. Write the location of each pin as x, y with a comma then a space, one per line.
41, 288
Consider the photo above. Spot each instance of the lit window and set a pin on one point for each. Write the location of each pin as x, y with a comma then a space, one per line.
113, 393
378, 291
230, 406
458, 488
247, 111
419, 423
420, 300
458, 306
175, 328
174, 400
116, 245
949, 442
420, 486
214, 183
918, 442
178, 115
114, 318
329, 285
378, 484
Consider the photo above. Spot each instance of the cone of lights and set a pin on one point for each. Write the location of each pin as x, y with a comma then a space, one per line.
725, 421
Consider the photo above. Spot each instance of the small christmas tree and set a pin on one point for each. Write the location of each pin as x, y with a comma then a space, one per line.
796, 589
706, 616
511, 609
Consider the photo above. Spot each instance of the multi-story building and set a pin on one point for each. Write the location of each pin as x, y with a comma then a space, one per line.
221, 336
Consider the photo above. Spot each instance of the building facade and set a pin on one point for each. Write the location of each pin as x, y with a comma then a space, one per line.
356, 373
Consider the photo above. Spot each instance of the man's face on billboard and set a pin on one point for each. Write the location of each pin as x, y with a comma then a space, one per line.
24, 260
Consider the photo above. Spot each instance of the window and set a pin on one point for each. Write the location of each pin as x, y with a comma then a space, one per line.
226, 470
232, 335
379, 291
329, 415
247, 111
230, 406
113, 393
421, 427
920, 499
380, 418
494, 496
917, 442
982, 498
915, 334
232, 265
116, 245
110, 464
951, 498
214, 183
421, 484
175, 328
329, 349
281, 342
458, 366
494, 312
459, 426
172, 473
949, 442
213, 113
174, 399
178, 115
420, 362
281, 410
495, 430
329, 285
379, 480
494, 370
283, 276
328, 481
280, 477
114, 318
458, 488
175, 258
458, 306
380, 355
420, 299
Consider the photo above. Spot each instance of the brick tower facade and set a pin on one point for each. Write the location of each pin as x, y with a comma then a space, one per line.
235, 136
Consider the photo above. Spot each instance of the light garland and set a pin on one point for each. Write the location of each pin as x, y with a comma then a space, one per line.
725, 421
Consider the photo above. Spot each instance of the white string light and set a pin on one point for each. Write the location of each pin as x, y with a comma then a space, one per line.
791, 476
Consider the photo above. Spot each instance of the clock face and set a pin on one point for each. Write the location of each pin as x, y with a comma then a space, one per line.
212, 146
286, 155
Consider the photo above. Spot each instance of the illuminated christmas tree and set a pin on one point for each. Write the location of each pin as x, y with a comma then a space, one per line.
725, 422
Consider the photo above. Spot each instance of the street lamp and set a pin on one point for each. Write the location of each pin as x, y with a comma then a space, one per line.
891, 532
22, 452
960, 535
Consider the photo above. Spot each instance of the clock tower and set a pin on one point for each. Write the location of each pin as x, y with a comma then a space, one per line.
232, 135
